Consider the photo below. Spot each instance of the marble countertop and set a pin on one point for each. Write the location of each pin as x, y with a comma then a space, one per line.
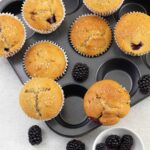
14, 124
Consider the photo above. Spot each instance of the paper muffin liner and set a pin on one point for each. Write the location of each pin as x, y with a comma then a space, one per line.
63, 101
124, 51
43, 31
86, 55
51, 42
104, 13
10, 54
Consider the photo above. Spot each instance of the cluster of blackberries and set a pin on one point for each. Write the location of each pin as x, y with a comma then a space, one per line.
116, 143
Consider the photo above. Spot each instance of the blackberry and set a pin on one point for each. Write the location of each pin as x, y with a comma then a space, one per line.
113, 141
124, 147
75, 145
35, 135
101, 146
144, 84
80, 72
127, 140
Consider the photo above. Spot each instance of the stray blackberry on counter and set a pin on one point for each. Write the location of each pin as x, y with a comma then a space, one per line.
75, 145
35, 135
113, 141
101, 146
144, 84
80, 72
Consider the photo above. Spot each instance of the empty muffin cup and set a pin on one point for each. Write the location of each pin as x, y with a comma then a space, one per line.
72, 114
121, 70
72, 7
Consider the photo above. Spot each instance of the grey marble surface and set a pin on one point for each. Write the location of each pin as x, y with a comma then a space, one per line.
14, 124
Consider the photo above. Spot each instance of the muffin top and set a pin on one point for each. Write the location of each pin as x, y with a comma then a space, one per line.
103, 6
90, 35
45, 59
132, 33
43, 15
10, 26
107, 101
41, 98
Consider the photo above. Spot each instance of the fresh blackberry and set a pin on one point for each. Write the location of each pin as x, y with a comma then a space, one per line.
35, 135
124, 147
75, 145
101, 146
113, 141
144, 84
80, 72
127, 140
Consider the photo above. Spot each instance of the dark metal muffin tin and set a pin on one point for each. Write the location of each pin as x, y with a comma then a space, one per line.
114, 64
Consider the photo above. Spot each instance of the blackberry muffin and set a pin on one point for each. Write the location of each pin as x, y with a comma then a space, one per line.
45, 59
10, 26
43, 16
132, 36
90, 35
103, 7
107, 102
41, 98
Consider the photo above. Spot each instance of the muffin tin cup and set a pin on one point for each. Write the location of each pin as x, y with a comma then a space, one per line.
103, 13
25, 35
63, 99
124, 51
127, 73
42, 31
74, 47
43, 41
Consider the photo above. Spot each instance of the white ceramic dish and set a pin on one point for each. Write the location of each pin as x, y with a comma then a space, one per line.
138, 143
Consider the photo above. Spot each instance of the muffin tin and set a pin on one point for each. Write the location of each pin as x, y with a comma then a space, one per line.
114, 64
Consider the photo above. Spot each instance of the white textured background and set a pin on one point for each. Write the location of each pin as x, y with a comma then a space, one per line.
14, 124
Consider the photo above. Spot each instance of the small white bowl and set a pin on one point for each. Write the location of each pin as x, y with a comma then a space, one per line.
138, 143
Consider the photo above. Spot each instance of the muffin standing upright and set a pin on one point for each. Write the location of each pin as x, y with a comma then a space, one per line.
103, 7
41, 98
12, 35
90, 35
132, 33
45, 59
43, 16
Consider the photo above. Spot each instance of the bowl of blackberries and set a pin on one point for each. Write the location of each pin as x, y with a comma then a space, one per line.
118, 139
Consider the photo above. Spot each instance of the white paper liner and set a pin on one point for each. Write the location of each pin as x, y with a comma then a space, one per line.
42, 31
85, 55
51, 42
10, 54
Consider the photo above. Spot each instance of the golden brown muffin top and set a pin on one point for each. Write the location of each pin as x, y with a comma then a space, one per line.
45, 59
90, 35
12, 35
41, 98
103, 6
132, 33
43, 15
107, 101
